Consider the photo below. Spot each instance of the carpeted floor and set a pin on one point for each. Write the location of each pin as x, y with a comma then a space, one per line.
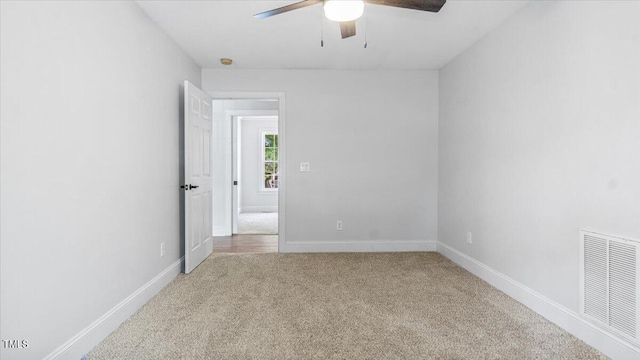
258, 223
336, 306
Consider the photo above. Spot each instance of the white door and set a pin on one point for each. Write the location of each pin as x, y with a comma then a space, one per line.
198, 185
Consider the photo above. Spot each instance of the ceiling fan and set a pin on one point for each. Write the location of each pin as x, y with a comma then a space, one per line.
346, 12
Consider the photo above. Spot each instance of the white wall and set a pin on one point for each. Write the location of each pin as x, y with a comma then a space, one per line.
540, 137
90, 134
224, 113
254, 199
371, 139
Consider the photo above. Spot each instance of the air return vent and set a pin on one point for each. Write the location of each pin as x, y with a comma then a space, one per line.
609, 283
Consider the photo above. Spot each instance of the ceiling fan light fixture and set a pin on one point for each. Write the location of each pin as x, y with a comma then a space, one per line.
343, 10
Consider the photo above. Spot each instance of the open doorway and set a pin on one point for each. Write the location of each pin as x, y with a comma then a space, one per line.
256, 160
248, 162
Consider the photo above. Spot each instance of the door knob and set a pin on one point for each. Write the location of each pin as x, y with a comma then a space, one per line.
193, 186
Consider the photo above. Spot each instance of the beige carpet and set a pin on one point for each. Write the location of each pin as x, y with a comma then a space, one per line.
336, 306
258, 223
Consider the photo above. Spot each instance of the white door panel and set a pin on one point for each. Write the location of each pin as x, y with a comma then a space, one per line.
198, 182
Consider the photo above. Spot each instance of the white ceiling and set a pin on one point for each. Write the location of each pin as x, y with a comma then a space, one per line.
397, 38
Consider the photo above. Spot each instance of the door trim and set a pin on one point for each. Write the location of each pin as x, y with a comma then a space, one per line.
282, 151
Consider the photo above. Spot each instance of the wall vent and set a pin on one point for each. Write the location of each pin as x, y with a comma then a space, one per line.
609, 283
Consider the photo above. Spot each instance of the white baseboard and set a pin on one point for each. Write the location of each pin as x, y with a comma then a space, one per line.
89, 337
567, 319
257, 209
359, 246
221, 231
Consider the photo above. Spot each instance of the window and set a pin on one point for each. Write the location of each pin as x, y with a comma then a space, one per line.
269, 167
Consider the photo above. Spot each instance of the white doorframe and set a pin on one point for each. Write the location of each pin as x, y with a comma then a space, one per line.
280, 96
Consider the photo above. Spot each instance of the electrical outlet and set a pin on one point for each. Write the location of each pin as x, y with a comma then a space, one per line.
469, 237
304, 166
339, 225
161, 249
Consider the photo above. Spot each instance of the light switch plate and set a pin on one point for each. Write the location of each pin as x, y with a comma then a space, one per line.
304, 166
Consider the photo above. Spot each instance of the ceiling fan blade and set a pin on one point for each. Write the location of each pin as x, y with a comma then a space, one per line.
348, 29
424, 5
284, 9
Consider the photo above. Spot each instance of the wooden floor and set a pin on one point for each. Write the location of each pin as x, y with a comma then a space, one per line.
245, 244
